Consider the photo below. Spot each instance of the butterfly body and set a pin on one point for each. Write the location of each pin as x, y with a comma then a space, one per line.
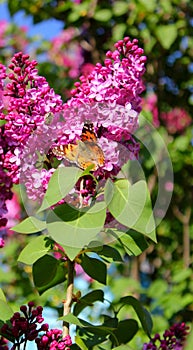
85, 152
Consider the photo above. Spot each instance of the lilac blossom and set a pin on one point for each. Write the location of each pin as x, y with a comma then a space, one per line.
24, 101
24, 326
173, 339
109, 97
53, 340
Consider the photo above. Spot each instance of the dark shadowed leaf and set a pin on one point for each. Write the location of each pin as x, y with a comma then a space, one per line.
88, 300
95, 268
48, 272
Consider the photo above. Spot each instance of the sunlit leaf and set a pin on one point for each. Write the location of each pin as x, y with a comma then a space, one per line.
60, 184
30, 225
5, 311
166, 35
76, 228
131, 205
34, 250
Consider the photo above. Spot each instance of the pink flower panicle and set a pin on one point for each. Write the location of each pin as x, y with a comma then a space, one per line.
24, 102
24, 327
119, 80
109, 97
53, 340
173, 339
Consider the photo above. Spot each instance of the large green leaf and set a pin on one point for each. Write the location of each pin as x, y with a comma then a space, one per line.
60, 184
99, 329
110, 254
120, 8
125, 331
131, 205
2, 295
134, 243
30, 225
103, 15
95, 268
166, 35
48, 272
34, 250
88, 300
5, 311
142, 313
76, 228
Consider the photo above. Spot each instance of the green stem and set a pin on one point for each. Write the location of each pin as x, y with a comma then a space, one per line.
69, 296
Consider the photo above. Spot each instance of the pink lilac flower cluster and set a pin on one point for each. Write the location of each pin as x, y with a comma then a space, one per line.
176, 120
23, 328
109, 97
53, 340
26, 327
114, 115
24, 101
173, 339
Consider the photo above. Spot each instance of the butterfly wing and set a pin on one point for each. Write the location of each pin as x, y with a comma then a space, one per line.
68, 152
90, 154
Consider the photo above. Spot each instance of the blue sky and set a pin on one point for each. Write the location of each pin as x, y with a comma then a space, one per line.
47, 29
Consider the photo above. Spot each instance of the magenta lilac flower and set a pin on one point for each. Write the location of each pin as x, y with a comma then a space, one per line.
53, 340
109, 97
24, 102
24, 326
114, 115
173, 339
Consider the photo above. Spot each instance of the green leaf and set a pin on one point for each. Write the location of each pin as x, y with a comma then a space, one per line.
120, 8
72, 319
99, 329
34, 250
48, 272
142, 313
131, 205
134, 243
189, 339
88, 300
94, 268
149, 5
76, 228
125, 331
103, 15
166, 35
60, 184
5, 311
118, 31
2, 295
30, 225
80, 343
123, 347
110, 252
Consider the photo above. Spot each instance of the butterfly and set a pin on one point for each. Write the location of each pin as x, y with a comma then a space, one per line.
85, 152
